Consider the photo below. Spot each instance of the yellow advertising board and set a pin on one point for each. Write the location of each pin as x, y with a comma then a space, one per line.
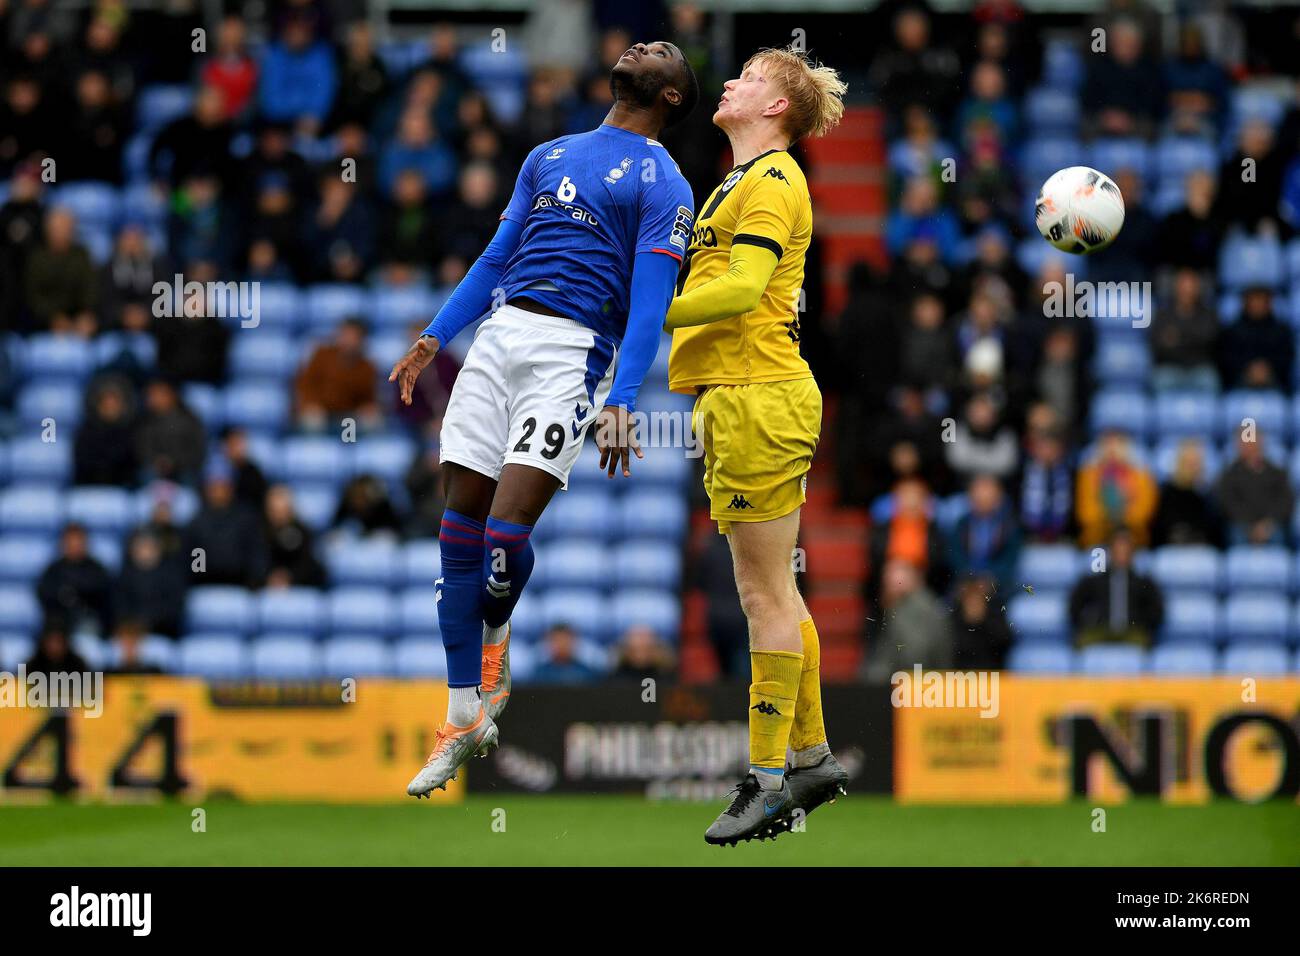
1050, 739
309, 742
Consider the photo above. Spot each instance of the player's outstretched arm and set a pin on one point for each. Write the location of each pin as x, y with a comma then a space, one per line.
471, 298
735, 292
653, 277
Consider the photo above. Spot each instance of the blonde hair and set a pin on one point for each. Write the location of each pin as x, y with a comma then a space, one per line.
815, 91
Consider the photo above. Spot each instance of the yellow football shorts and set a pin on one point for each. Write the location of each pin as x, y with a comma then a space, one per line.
758, 443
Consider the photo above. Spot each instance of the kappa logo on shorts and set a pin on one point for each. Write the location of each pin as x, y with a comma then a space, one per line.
739, 503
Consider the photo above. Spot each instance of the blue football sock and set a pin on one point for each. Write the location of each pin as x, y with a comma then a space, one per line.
461, 542
507, 563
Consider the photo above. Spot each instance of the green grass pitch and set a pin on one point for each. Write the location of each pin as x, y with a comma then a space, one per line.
631, 831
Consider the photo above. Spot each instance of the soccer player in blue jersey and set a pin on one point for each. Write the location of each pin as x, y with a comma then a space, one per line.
577, 279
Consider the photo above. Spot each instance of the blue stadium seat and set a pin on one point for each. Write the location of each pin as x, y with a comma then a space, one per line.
103, 509
384, 350
1164, 458
1050, 566
1038, 657
526, 621
572, 562
1171, 659
262, 353
15, 650
1191, 618
144, 201
314, 459
285, 657
1255, 660
1257, 103
61, 357
398, 306
649, 513
329, 304
19, 610
658, 610
158, 105
280, 306
421, 563
421, 657
1179, 156
1063, 65
93, 650
207, 402
47, 463
315, 504
1180, 414
220, 607
106, 548
387, 456
583, 512
1257, 616
42, 401
948, 511
1106, 660
1112, 155
1246, 262
161, 652
1051, 112
418, 612
1125, 409
1122, 360
360, 610
374, 562
1190, 567
668, 467
31, 508
584, 609
1040, 617
256, 405
647, 564
1251, 567
24, 556
214, 656
183, 502
108, 347
347, 656
1041, 157
95, 204
1268, 410
295, 610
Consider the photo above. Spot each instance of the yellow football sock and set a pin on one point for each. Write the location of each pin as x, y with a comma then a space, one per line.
808, 729
771, 706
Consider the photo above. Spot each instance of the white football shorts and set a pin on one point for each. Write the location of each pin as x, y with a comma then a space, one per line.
530, 387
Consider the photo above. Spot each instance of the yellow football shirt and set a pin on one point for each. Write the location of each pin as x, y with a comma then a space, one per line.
763, 203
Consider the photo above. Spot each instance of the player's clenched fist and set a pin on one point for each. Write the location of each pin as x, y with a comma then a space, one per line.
615, 437
410, 365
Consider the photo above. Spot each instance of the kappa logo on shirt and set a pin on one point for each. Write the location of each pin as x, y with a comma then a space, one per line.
776, 174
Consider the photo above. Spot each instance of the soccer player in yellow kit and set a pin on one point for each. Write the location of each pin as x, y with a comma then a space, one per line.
735, 324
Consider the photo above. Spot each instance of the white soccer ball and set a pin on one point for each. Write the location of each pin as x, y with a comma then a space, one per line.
1079, 210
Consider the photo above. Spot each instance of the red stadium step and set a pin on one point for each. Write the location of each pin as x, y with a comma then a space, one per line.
841, 615
842, 560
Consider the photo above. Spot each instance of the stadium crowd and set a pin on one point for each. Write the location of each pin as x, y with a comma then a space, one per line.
995, 448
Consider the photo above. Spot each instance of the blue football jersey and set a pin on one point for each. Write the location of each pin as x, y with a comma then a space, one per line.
588, 203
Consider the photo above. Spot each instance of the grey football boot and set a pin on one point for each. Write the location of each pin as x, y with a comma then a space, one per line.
821, 783
754, 812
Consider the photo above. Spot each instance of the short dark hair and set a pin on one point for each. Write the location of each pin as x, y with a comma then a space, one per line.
689, 86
